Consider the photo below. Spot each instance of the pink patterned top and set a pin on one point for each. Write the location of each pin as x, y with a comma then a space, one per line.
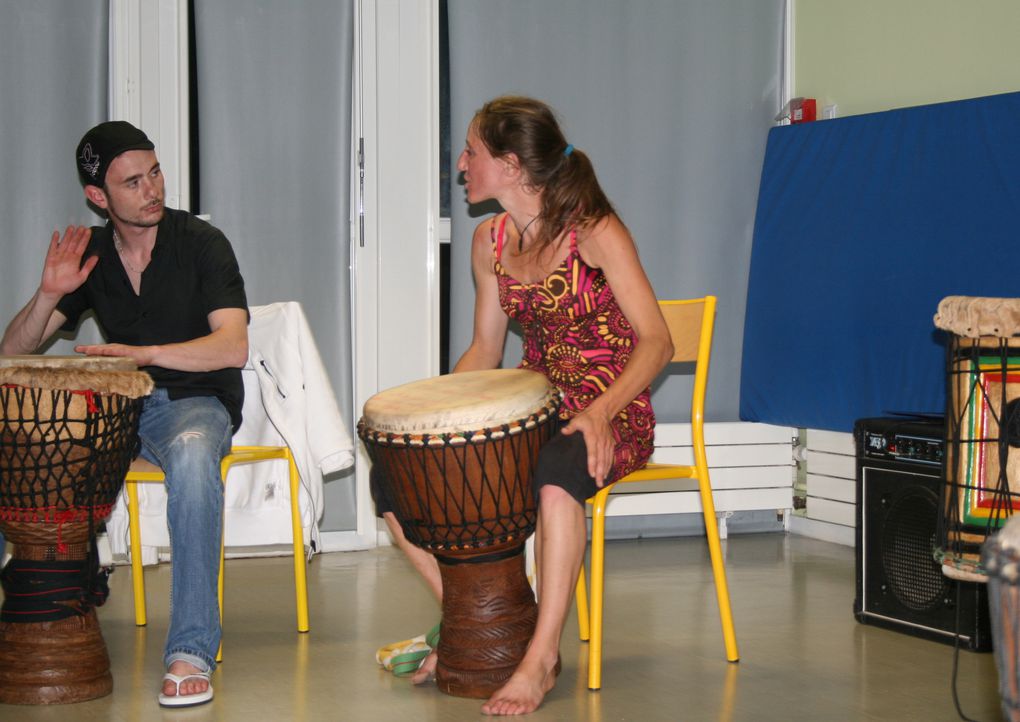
576, 334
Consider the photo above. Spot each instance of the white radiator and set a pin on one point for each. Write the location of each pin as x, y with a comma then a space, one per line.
831, 474
751, 466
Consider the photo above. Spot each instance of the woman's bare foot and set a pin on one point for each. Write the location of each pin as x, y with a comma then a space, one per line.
524, 691
190, 686
427, 671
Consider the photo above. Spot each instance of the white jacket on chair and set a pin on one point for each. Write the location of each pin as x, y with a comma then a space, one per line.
288, 401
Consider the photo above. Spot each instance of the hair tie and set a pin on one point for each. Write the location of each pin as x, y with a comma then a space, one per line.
568, 150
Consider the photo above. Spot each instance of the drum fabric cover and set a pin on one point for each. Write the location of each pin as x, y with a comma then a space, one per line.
982, 486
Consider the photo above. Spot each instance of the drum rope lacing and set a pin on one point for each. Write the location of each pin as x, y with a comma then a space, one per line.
60, 466
440, 518
462, 512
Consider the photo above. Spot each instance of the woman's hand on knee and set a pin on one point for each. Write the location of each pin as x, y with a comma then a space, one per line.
598, 440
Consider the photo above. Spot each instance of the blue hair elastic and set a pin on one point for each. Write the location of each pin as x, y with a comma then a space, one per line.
568, 150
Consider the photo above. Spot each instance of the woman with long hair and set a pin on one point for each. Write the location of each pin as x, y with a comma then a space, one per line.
560, 262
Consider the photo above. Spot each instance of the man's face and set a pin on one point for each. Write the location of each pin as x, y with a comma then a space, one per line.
134, 188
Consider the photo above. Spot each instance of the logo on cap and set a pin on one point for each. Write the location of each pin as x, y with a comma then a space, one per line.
89, 160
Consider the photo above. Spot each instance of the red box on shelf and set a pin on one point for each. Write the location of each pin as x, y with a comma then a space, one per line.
804, 112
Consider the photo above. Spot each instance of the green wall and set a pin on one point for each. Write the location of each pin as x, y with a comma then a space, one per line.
871, 55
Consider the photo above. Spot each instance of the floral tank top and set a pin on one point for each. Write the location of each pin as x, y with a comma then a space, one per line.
576, 334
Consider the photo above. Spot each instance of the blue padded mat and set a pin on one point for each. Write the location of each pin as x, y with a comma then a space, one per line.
863, 225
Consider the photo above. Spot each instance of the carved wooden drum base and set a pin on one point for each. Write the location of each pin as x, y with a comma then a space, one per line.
54, 662
489, 615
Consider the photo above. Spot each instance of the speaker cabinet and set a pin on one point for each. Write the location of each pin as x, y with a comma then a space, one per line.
900, 586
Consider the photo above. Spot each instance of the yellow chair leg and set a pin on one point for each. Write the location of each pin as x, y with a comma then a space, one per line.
224, 468
300, 578
581, 594
598, 549
137, 580
147, 473
219, 594
718, 568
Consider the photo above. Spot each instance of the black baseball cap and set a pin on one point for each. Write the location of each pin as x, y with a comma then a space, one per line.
102, 144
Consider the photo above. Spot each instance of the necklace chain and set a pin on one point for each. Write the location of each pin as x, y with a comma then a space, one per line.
520, 238
119, 245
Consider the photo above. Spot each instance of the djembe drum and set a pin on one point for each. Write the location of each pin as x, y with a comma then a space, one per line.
1001, 561
455, 456
982, 462
68, 431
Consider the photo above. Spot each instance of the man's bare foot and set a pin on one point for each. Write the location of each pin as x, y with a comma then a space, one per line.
427, 671
190, 686
524, 691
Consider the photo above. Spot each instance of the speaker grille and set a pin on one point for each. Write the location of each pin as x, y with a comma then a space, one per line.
908, 539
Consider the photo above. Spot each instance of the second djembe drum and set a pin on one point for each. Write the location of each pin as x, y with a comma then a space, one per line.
455, 455
68, 431
982, 460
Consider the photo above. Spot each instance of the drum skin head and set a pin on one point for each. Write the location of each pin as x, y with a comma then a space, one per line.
84, 363
975, 317
104, 374
459, 402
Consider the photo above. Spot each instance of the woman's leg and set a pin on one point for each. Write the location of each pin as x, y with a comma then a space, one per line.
560, 548
427, 566
425, 563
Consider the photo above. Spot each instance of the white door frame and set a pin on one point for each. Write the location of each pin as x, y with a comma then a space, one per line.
395, 208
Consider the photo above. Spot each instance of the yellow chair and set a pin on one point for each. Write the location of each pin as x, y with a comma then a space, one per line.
690, 324
143, 471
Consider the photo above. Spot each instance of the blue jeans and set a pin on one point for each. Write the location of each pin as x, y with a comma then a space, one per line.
187, 438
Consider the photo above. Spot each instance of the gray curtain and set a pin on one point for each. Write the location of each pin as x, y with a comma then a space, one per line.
53, 87
274, 110
672, 99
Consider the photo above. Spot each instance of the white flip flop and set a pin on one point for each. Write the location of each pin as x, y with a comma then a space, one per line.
187, 700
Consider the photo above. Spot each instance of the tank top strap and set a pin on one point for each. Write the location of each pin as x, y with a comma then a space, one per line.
498, 234
573, 259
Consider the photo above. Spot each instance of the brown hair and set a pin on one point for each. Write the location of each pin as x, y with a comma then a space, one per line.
571, 194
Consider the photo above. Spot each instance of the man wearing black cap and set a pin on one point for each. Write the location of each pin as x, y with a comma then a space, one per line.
167, 292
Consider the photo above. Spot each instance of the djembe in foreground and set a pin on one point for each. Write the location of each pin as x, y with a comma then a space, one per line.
68, 431
982, 468
456, 455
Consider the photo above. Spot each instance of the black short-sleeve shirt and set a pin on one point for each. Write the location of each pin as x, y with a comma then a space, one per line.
193, 272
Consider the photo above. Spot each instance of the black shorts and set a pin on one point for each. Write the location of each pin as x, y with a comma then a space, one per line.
562, 462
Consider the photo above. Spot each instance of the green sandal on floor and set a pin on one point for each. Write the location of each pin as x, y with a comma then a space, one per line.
384, 655
432, 638
404, 657
408, 663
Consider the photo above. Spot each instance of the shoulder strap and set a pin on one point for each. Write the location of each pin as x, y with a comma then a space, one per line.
500, 234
